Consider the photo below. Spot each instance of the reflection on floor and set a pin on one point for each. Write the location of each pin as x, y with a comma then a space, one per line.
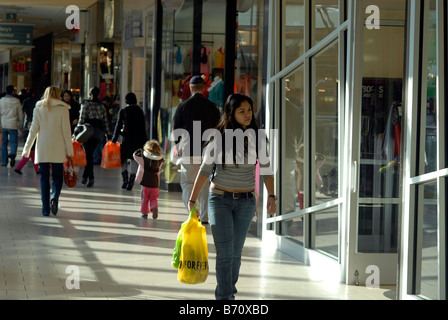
119, 255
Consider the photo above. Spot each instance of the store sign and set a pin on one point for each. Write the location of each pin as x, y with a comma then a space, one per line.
16, 35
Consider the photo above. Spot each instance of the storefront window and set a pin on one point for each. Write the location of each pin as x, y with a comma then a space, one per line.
326, 118
293, 31
325, 237
292, 161
250, 68
380, 129
429, 274
213, 49
325, 18
431, 99
170, 82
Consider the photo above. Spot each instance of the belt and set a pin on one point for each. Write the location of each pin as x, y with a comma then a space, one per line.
234, 195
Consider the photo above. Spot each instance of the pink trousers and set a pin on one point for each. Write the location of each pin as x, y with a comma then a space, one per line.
149, 199
24, 160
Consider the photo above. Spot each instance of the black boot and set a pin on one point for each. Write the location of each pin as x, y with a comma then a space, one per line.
131, 181
125, 176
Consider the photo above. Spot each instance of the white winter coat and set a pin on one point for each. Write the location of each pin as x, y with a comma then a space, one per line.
51, 128
11, 113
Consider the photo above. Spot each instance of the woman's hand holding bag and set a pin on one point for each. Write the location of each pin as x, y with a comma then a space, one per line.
190, 254
70, 173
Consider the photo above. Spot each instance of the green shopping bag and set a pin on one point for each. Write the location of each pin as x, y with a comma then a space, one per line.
190, 254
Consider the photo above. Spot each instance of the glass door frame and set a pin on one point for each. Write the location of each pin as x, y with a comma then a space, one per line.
359, 266
411, 258
272, 225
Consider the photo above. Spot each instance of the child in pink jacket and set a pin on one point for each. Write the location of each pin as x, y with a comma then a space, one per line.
150, 161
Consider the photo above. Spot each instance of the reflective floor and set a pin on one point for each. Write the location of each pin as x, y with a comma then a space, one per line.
100, 233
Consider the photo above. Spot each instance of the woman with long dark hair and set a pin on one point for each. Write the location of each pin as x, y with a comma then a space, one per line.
229, 162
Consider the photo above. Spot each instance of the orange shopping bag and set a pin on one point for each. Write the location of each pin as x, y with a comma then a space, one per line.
111, 156
79, 155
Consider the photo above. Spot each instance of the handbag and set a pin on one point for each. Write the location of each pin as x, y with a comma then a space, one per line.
86, 132
70, 174
192, 257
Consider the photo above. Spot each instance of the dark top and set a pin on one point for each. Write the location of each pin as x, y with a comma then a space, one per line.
196, 108
75, 108
132, 127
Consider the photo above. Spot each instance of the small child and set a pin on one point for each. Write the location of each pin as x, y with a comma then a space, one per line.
150, 161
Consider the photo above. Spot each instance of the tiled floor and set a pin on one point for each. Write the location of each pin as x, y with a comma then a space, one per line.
99, 232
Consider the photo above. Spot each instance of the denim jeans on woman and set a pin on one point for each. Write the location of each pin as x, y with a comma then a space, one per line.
230, 220
57, 175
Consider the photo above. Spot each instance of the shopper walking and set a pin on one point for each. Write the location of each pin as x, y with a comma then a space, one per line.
28, 105
51, 130
92, 112
195, 110
231, 201
11, 122
67, 97
132, 127
150, 161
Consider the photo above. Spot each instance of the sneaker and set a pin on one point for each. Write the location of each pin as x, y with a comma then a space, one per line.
155, 212
144, 216
54, 206
90, 184
84, 180
18, 171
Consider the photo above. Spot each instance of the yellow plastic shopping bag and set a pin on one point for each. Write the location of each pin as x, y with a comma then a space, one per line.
191, 253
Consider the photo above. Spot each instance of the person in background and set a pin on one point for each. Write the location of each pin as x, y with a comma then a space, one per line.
131, 127
195, 109
231, 201
50, 130
28, 106
11, 121
75, 108
150, 161
92, 112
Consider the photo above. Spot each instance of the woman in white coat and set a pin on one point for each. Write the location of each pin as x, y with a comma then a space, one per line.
51, 128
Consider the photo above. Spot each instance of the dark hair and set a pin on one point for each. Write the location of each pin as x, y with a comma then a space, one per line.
130, 98
69, 93
94, 92
228, 121
10, 89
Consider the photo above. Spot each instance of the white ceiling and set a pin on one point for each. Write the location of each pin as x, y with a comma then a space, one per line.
45, 15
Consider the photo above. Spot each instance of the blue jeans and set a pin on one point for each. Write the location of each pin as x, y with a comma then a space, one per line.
230, 220
9, 135
57, 173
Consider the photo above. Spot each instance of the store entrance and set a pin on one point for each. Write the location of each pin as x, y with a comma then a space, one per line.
377, 127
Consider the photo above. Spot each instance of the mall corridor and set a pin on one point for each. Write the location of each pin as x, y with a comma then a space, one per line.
122, 256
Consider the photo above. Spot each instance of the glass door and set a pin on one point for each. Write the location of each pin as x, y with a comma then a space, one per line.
376, 136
